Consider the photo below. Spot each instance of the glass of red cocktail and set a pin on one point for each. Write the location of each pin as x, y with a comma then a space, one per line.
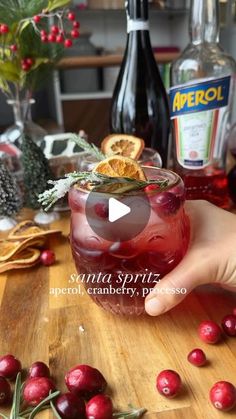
119, 274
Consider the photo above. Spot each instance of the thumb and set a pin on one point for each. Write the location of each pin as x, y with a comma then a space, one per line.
192, 271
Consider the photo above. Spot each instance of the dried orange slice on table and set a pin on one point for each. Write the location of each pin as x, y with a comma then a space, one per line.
123, 145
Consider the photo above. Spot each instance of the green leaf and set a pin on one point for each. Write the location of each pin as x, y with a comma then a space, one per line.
15, 411
56, 4
4, 86
24, 25
9, 71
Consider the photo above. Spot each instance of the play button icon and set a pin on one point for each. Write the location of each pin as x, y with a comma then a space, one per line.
116, 217
117, 210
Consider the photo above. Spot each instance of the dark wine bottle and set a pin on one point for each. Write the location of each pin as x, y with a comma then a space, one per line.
139, 104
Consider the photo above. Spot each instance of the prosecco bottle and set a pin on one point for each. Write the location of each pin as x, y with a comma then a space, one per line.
140, 105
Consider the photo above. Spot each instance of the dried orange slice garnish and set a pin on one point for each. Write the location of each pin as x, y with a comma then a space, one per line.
122, 145
119, 166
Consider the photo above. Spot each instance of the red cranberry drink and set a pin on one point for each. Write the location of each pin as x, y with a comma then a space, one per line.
120, 260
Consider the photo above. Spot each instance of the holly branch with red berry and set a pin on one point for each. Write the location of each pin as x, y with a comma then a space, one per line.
33, 35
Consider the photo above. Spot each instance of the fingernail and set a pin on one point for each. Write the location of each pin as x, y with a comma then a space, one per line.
154, 307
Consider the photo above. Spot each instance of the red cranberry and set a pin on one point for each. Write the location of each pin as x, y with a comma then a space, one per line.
85, 381
168, 383
229, 325
166, 203
68, 43
43, 32
197, 357
55, 30
44, 38
70, 406
75, 33
101, 210
47, 257
71, 16
9, 366
29, 61
37, 19
99, 407
209, 331
51, 37
14, 48
36, 389
25, 67
223, 395
76, 24
4, 28
39, 369
59, 39
5, 391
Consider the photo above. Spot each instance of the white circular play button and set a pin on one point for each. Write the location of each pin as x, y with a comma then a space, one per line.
117, 217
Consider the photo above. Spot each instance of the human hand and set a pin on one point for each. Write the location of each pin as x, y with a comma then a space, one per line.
211, 257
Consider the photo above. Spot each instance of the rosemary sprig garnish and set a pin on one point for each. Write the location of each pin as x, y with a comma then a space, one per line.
130, 414
62, 186
89, 147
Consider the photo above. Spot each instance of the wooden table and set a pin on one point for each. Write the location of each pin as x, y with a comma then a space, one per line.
129, 351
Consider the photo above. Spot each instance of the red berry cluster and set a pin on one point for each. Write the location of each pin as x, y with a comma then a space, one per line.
27, 63
57, 34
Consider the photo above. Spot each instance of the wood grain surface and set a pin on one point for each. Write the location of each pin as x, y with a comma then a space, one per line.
36, 325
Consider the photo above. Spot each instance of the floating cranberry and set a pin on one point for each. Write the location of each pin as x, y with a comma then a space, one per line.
47, 257
99, 407
9, 367
151, 188
85, 381
101, 210
51, 37
70, 406
39, 369
166, 204
229, 324
5, 391
37, 18
197, 357
209, 331
168, 383
4, 28
223, 395
36, 389
76, 24
75, 33
55, 30
68, 43
59, 39
14, 48
71, 16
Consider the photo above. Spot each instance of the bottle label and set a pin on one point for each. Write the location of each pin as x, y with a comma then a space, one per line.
200, 113
137, 25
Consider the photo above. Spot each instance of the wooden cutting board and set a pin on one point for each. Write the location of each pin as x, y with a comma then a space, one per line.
67, 330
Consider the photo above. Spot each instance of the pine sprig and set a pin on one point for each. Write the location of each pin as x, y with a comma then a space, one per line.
92, 149
130, 414
62, 186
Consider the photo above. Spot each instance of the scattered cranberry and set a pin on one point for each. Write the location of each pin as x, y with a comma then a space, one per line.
4, 28
229, 325
9, 366
5, 391
44, 38
14, 48
36, 389
76, 24
68, 43
209, 331
223, 395
151, 188
75, 33
99, 407
71, 16
197, 357
39, 369
51, 37
85, 381
166, 203
55, 30
37, 19
47, 257
101, 210
168, 383
59, 39
70, 406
